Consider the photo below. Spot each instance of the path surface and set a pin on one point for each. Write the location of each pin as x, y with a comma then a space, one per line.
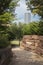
22, 57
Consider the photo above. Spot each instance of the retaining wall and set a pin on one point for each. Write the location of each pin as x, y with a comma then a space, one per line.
5, 55
32, 42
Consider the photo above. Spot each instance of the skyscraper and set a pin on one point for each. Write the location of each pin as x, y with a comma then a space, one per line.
27, 18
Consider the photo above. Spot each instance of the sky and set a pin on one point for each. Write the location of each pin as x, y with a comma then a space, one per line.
21, 10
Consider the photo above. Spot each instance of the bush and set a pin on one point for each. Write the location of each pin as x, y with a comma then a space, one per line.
40, 28
4, 42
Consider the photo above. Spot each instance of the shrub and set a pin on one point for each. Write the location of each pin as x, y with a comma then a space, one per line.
4, 42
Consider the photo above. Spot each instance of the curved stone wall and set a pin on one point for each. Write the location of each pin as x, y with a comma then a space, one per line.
32, 42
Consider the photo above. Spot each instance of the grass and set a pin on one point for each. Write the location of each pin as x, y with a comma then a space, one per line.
15, 42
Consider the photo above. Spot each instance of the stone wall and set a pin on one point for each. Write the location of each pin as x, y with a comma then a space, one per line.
32, 42
5, 55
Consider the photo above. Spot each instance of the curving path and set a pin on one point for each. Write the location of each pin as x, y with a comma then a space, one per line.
22, 57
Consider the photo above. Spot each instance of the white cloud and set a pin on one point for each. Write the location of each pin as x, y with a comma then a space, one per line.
20, 10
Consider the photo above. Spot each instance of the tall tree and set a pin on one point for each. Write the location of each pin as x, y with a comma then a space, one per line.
6, 16
36, 6
6, 12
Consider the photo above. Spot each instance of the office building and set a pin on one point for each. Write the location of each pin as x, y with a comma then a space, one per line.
27, 17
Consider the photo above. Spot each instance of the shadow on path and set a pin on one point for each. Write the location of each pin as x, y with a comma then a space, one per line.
22, 57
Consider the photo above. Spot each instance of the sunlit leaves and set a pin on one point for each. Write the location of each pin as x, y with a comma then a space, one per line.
6, 17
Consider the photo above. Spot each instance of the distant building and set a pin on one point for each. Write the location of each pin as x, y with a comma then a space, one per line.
27, 18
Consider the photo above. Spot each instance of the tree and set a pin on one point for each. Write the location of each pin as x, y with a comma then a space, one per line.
6, 16
16, 31
34, 28
6, 12
36, 6
13, 31
20, 32
40, 30
31, 28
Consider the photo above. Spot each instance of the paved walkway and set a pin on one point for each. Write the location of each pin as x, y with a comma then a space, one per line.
22, 57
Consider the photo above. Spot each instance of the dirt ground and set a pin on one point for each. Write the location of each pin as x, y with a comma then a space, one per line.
22, 57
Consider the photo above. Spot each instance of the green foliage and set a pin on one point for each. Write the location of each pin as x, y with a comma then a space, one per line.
18, 30
15, 31
6, 11
12, 31
31, 28
26, 29
6, 16
7, 5
34, 28
4, 4
40, 28
4, 40
36, 6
